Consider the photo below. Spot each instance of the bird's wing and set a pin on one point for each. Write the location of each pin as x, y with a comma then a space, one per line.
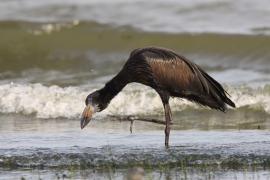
182, 78
177, 76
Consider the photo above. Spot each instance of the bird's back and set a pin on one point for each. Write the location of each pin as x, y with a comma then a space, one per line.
166, 70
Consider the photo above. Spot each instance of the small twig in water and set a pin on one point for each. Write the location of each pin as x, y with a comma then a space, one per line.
133, 118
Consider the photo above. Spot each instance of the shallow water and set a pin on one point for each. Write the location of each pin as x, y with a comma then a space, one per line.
31, 147
54, 53
120, 174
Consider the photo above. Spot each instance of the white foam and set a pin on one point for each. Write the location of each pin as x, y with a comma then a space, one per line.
55, 101
45, 102
258, 98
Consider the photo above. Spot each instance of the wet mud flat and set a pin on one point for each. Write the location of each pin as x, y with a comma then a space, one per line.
51, 149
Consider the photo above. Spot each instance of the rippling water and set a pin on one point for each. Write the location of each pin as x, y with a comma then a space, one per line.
243, 16
53, 69
54, 53
57, 148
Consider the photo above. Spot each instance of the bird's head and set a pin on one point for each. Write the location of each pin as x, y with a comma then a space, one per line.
94, 103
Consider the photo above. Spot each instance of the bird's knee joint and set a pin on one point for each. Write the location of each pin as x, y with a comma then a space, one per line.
167, 130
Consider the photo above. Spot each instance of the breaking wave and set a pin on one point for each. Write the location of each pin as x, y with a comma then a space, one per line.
68, 102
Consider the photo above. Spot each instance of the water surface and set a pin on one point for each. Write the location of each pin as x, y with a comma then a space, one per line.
54, 53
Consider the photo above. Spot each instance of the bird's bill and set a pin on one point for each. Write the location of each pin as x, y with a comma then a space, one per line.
87, 115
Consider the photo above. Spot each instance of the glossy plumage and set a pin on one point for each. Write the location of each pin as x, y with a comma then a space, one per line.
171, 75
164, 70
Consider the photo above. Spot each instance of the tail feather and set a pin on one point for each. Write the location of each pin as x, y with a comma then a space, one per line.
215, 97
206, 101
229, 102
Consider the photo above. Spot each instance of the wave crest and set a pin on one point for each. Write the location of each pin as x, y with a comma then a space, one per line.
68, 102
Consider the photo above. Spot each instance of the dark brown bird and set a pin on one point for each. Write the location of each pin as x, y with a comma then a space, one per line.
170, 74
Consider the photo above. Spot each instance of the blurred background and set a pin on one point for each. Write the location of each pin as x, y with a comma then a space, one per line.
53, 53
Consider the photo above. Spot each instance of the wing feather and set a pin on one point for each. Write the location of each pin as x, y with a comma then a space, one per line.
182, 78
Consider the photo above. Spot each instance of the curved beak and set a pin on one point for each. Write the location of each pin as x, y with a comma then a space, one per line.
87, 115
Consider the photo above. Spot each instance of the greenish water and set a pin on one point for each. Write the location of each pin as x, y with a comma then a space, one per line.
78, 47
54, 53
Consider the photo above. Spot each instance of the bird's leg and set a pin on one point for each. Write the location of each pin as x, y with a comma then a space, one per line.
168, 119
131, 125
131, 119
165, 101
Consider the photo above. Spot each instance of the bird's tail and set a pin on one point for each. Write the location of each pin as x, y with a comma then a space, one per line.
216, 97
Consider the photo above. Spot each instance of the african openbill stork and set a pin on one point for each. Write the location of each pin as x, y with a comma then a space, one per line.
169, 74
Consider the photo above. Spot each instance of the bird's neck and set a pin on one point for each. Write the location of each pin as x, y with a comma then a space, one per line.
113, 87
